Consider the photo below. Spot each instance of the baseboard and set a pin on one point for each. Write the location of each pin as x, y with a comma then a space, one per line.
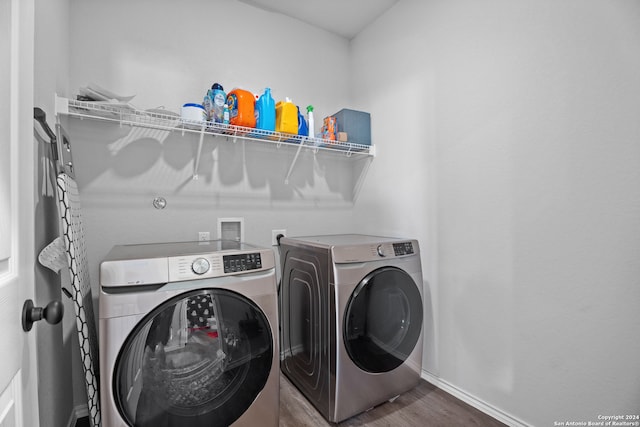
78, 412
81, 411
467, 398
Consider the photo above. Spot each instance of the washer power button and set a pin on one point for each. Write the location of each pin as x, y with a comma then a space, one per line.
200, 266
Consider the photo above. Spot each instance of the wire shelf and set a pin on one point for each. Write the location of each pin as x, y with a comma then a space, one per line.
126, 114
154, 119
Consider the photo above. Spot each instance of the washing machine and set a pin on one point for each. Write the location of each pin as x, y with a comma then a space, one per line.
351, 320
189, 335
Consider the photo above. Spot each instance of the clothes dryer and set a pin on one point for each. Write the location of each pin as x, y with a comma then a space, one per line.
188, 335
351, 318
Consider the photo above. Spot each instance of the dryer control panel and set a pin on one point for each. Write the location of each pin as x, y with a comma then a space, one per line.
405, 248
374, 252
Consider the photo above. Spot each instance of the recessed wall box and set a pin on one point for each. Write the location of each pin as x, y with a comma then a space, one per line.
231, 229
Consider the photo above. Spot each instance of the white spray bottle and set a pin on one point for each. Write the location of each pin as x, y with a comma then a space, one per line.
311, 133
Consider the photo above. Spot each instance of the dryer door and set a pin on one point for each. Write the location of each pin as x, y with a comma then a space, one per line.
383, 320
199, 359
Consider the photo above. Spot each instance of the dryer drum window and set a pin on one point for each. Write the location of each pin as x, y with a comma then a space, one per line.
383, 320
198, 359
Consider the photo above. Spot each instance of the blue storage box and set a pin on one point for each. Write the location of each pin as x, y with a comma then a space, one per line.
357, 125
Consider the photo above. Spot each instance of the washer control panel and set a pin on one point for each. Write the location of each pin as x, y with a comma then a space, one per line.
218, 264
241, 262
158, 263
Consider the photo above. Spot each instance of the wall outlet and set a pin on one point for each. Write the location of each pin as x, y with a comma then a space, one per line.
274, 235
203, 236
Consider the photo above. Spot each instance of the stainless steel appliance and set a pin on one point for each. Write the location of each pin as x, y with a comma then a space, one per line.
188, 335
351, 318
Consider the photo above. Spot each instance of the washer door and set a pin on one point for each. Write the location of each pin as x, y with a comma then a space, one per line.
383, 320
199, 359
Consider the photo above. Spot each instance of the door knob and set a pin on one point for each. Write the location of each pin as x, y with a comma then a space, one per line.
52, 313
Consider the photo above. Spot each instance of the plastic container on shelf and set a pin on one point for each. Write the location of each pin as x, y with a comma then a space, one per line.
311, 124
191, 112
303, 128
214, 102
265, 111
219, 99
329, 128
241, 108
207, 104
225, 114
356, 124
286, 117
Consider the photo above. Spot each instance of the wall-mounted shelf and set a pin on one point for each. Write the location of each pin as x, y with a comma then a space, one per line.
124, 114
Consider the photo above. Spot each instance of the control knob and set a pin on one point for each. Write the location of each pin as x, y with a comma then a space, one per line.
200, 266
380, 251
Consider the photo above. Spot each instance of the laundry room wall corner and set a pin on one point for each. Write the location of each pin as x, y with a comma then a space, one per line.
398, 91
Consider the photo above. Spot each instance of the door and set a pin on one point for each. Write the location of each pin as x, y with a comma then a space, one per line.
18, 374
199, 359
383, 320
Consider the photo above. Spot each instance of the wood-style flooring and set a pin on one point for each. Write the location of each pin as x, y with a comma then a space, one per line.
424, 406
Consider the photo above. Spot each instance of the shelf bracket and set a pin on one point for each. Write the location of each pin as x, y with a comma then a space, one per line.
293, 163
62, 105
197, 162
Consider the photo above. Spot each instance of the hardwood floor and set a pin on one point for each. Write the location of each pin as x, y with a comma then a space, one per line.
425, 405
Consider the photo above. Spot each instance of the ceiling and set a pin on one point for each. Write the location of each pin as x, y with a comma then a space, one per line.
345, 18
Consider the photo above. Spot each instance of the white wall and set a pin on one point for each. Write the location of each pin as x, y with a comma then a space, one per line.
169, 53
508, 140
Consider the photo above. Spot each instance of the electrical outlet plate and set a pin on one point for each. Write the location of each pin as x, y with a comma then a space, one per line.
274, 235
204, 236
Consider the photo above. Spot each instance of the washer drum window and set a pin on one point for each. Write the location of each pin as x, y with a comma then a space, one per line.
198, 359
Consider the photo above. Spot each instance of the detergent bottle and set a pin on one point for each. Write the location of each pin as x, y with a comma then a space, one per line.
241, 108
303, 129
265, 111
219, 98
286, 117
214, 102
